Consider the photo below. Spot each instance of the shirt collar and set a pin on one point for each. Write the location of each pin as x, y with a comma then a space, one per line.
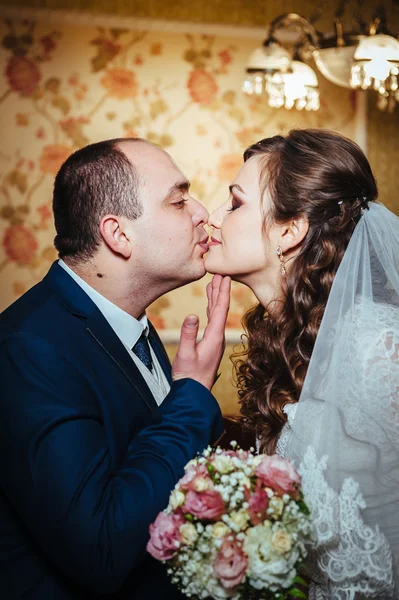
127, 328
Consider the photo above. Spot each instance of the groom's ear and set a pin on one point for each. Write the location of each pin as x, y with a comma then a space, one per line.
115, 234
293, 233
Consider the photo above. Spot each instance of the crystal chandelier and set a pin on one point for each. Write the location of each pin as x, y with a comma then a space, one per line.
364, 58
280, 72
376, 66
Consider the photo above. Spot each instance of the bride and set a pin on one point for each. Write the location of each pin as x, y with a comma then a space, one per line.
319, 380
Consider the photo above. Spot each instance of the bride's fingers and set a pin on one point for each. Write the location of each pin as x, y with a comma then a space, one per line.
209, 296
216, 282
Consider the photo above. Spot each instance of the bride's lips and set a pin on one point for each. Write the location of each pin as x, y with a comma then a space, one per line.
204, 244
214, 242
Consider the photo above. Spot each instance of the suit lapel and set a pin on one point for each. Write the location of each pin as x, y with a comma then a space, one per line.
78, 303
99, 328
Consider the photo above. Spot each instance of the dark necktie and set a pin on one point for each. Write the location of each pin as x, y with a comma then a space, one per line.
142, 351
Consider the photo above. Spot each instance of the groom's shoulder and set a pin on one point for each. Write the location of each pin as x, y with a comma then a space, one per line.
34, 311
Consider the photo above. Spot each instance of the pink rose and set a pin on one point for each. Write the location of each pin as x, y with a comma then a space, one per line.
204, 505
165, 536
279, 474
230, 564
258, 502
193, 475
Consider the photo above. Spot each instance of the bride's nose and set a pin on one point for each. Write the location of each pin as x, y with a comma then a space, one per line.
215, 218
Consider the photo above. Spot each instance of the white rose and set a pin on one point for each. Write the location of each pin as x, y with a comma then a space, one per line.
266, 566
188, 534
281, 541
219, 530
176, 499
222, 464
201, 484
239, 519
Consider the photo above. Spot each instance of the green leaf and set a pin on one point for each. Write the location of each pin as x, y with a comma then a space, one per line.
189, 517
237, 114
9, 42
190, 55
298, 579
52, 84
166, 140
117, 31
296, 593
62, 103
229, 97
99, 62
211, 470
303, 507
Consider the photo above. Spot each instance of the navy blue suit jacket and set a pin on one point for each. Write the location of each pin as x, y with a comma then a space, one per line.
87, 457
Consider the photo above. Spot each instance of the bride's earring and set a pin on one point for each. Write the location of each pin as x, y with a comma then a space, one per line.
282, 261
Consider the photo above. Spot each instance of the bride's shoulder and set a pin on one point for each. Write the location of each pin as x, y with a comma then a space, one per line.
372, 324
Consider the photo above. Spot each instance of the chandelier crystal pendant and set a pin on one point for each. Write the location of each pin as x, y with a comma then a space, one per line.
297, 88
263, 64
376, 66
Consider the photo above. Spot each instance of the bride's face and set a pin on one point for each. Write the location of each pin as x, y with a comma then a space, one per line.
239, 247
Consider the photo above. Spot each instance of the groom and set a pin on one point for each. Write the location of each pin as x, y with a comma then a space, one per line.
95, 428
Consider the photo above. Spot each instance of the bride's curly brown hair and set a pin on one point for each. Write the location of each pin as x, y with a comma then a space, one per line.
325, 177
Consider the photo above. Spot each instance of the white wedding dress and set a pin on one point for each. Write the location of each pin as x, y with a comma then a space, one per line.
343, 434
353, 558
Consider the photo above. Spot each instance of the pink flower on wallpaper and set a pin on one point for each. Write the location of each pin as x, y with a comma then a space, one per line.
19, 244
48, 44
40, 133
45, 214
202, 86
234, 320
228, 167
225, 57
108, 47
250, 135
52, 158
23, 75
120, 83
231, 563
73, 79
156, 320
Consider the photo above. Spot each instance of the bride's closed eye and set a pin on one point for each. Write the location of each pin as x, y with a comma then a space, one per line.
234, 206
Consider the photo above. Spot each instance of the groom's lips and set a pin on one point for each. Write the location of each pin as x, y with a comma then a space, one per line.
204, 244
214, 242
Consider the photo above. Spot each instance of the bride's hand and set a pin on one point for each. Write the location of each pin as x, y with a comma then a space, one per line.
200, 360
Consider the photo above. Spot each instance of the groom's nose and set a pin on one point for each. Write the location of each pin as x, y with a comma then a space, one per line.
199, 213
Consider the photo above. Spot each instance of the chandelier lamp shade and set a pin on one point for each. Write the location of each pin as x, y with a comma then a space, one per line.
364, 58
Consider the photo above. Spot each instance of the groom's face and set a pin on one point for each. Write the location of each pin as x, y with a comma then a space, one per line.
169, 237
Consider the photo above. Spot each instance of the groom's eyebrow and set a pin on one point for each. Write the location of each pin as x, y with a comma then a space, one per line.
181, 186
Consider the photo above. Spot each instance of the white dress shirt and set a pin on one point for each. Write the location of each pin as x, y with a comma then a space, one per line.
128, 329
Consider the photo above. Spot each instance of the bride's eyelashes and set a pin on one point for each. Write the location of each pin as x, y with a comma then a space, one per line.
234, 206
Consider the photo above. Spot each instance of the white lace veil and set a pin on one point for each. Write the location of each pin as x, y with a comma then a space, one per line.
345, 433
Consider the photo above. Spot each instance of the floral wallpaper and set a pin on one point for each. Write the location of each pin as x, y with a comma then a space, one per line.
63, 87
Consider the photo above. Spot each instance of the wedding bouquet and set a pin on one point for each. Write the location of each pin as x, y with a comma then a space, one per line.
236, 526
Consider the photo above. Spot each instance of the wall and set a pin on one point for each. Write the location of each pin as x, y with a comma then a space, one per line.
66, 85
